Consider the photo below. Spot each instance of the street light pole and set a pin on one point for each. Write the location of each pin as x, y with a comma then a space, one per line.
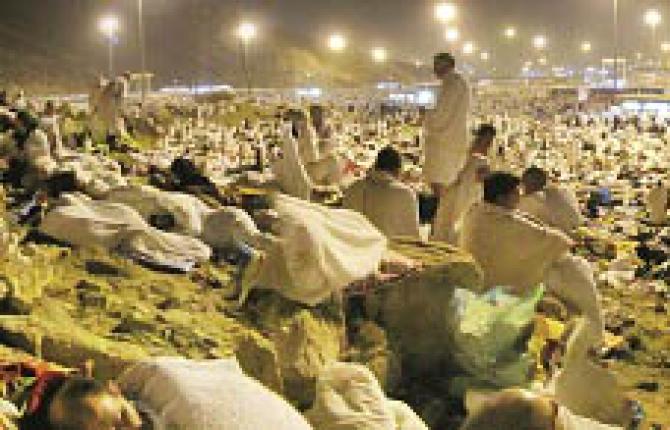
246, 32
245, 64
616, 45
109, 26
110, 47
143, 57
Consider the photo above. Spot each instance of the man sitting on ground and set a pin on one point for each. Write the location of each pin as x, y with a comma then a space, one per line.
555, 206
513, 250
389, 204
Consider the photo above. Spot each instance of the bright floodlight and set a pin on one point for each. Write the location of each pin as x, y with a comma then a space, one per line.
445, 12
665, 46
652, 18
109, 26
586, 47
337, 43
452, 35
379, 55
468, 48
542, 61
247, 31
540, 42
510, 32
485, 56
419, 64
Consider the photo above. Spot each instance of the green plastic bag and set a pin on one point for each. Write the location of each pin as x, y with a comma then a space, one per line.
490, 334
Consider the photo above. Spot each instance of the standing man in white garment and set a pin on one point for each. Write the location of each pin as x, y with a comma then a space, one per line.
446, 130
466, 190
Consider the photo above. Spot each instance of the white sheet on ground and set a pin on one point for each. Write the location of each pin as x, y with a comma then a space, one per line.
229, 226
188, 211
87, 223
349, 397
322, 250
207, 395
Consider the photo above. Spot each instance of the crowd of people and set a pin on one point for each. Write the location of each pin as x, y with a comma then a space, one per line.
320, 191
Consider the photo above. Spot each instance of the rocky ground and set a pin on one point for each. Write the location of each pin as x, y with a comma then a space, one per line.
68, 306
640, 315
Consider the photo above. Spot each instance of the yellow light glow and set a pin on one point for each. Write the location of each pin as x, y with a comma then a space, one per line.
247, 31
452, 35
109, 26
468, 48
539, 42
337, 43
446, 12
379, 55
653, 18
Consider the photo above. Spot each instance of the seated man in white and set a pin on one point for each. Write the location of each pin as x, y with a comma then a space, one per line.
553, 205
290, 172
388, 203
518, 253
513, 250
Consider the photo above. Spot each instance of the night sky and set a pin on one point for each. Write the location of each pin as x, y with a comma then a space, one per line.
181, 32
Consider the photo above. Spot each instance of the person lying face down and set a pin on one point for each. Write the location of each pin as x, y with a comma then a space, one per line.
79, 403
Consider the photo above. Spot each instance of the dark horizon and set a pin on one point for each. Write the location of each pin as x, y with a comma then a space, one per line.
184, 36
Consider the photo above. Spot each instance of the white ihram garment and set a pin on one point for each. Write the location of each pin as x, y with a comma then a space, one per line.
556, 207
446, 132
512, 250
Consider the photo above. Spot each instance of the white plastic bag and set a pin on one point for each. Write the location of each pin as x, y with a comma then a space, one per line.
349, 397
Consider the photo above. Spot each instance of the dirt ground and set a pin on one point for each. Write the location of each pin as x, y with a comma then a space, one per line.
649, 332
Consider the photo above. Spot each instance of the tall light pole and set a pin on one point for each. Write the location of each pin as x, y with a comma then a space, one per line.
586, 47
109, 26
246, 32
337, 43
653, 18
616, 44
143, 54
380, 56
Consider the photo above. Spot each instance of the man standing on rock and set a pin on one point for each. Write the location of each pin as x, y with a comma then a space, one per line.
446, 130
